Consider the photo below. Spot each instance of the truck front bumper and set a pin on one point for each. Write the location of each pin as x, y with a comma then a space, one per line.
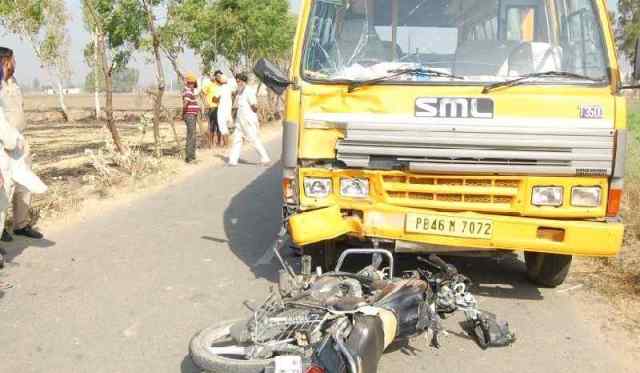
570, 237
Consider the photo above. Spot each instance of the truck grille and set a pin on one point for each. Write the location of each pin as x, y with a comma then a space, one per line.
554, 147
498, 194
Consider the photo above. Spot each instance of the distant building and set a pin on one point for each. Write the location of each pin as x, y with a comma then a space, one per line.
67, 91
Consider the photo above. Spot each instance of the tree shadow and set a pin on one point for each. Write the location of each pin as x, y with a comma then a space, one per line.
252, 221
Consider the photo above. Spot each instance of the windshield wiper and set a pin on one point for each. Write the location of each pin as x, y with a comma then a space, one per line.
399, 72
545, 74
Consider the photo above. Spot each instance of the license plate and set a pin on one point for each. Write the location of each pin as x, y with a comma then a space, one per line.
288, 364
449, 226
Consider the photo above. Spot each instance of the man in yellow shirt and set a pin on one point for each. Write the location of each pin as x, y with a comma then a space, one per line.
211, 91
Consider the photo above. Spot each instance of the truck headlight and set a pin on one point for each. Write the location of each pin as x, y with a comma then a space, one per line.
586, 196
317, 187
547, 196
354, 188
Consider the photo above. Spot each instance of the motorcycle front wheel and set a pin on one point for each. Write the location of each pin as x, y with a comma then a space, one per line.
214, 350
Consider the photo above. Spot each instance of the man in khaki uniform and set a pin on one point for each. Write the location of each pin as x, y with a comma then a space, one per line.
13, 104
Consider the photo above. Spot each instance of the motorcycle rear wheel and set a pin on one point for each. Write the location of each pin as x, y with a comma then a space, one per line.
210, 362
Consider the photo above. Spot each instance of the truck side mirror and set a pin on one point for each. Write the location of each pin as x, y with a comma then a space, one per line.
636, 71
271, 76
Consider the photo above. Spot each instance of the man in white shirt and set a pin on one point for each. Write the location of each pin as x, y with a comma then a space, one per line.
246, 104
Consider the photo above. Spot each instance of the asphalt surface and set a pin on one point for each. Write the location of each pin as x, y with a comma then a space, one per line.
125, 290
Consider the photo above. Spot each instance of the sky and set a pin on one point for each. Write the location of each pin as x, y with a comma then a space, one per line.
29, 66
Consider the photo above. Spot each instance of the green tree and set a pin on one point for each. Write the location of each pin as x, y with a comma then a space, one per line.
628, 30
239, 30
43, 23
174, 33
118, 26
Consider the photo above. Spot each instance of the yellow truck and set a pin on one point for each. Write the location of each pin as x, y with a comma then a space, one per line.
466, 126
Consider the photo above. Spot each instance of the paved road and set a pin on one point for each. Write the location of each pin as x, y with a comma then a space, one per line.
125, 290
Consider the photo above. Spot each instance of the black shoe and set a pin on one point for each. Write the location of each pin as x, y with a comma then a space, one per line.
28, 231
6, 237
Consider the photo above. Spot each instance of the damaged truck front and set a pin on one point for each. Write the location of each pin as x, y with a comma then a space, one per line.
455, 125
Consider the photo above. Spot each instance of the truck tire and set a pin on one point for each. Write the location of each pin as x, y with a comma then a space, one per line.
323, 254
548, 270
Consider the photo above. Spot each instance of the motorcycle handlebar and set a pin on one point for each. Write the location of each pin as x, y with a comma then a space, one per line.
437, 262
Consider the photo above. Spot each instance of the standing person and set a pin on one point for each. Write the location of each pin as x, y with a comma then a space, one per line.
225, 108
211, 92
190, 111
10, 140
5, 188
12, 101
246, 103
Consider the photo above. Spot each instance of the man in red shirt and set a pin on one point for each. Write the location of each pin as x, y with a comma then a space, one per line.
190, 111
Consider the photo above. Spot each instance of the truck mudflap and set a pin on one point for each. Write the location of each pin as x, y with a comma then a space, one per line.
567, 237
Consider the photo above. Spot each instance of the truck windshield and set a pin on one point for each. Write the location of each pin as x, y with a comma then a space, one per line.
479, 40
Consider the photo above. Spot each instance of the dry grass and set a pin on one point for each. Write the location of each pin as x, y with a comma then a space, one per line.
78, 160
619, 278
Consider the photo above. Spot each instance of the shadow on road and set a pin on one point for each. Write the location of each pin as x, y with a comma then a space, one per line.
214, 239
252, 222
188, 366
491, 277
19, 245
498, 278
503, 277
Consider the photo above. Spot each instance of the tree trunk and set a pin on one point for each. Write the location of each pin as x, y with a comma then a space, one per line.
173, 58
63, 106
158, 95
96, 80
107, 71
111, 123
108, 85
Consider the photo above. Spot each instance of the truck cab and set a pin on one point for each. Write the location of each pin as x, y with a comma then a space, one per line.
466, 126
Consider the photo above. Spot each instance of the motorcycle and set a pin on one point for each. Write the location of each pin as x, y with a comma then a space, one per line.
342, 322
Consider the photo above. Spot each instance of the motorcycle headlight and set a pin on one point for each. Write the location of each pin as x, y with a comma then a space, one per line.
354, 188
586, 196
317, 187
547, 196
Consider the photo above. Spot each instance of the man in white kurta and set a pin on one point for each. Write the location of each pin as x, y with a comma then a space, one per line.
246, 104
13, 104
225, 119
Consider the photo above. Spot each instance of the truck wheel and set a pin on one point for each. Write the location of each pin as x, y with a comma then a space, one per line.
547, 269
323, 255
